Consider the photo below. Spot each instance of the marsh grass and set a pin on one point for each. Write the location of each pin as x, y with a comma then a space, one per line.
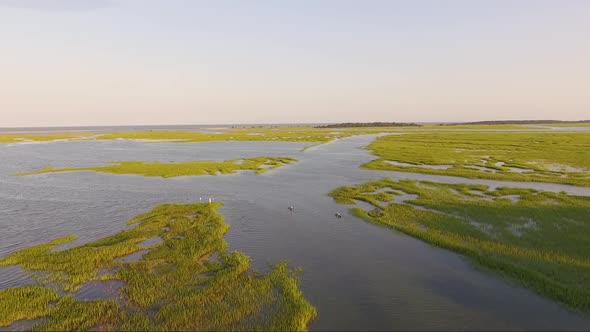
541, 240
247, 134
175, 286
25, 303
480, 126
283, 134
539, 157
302, 134
173, 169
16, 138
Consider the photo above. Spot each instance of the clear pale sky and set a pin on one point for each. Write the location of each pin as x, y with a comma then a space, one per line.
122, 62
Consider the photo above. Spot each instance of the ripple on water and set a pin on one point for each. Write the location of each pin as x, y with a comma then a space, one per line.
24, 324
99, 290
365, 205
151, 242
133, 257
14, 276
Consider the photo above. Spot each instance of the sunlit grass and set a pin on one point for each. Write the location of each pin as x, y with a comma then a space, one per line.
302, 134
283, 134
187, 168
16, 138
541, 157
25, 303
541, 239
175, 286
479, 126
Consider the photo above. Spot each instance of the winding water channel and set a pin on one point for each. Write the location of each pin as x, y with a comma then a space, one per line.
358, 275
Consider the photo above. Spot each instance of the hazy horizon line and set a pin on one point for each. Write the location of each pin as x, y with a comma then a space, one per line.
281, 123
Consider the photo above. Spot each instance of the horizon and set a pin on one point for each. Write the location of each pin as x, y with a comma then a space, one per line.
302, 124
69, 63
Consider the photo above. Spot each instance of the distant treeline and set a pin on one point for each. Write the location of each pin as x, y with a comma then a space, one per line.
369, 124
509, 122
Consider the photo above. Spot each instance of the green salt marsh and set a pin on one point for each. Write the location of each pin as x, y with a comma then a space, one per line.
188, 281
532, 157
173, 169
537, 238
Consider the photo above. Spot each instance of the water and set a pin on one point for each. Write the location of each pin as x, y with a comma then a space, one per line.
99, 290
358, 275
23, 325
397, 163
151, 242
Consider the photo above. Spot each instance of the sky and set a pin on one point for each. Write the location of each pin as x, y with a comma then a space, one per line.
160, 62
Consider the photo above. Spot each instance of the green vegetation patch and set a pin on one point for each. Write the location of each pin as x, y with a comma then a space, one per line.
188, 168
541, 157
21, 138
481, 127
538, 238
176, 285
302, 134
283, 134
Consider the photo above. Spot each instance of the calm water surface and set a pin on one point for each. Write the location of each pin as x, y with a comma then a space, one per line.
358, 275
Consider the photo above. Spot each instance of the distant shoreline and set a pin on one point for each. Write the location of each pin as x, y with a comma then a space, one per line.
516, 122
188, 127
368, 125
216, 127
